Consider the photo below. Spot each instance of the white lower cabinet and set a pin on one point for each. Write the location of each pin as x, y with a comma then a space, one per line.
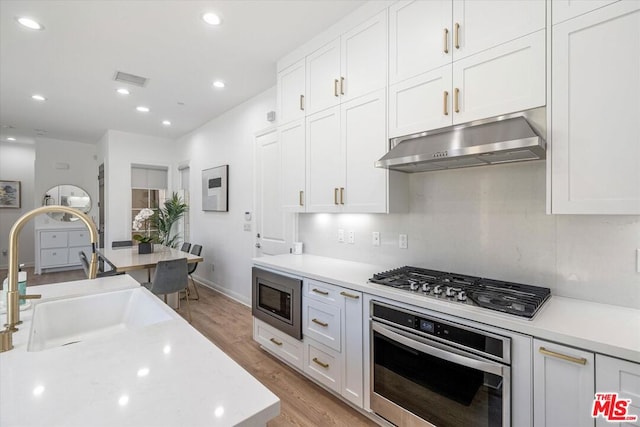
59, 248
332, 329
282, 345
622, 377
563, 385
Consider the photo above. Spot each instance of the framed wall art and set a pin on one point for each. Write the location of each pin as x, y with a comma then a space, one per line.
215, 189
10, 194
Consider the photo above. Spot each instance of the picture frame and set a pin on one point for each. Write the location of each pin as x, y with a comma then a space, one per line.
10, 195
215, 189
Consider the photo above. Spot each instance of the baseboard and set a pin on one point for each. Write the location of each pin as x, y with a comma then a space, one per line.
218, 288
26, 264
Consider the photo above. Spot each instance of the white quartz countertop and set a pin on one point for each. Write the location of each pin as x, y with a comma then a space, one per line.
164, 374
601, 328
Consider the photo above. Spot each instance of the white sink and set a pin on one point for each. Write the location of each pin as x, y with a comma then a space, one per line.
68, 321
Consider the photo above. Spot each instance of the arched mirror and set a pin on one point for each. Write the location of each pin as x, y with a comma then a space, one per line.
67, 195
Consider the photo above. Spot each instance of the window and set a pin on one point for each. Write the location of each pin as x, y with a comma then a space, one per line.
148, 190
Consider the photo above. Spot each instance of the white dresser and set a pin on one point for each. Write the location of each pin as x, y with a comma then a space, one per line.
58, 248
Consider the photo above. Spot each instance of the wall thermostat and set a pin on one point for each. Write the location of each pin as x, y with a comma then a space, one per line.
247, 216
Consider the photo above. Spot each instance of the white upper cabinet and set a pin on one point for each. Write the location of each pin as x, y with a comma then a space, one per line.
291, 90
350, 66
292, 146
481, 24
561, 10
419, 38
493, 51
595, 125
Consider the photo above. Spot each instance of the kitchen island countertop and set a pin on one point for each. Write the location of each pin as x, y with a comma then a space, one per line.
601, 328
164, 374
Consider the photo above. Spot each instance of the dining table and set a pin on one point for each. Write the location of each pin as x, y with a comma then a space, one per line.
127, 259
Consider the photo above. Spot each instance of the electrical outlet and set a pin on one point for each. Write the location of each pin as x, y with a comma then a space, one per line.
351, 236
340, 235
247, 226
402, 241
375, 238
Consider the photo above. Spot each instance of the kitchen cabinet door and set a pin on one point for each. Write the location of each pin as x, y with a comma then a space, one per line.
291, 87
418, 41
563, 385
323, 78
325, 161
506, 79
364, 138
292, 142
482, 24
364, 58
561, 10
595, 82
421, 103
622, 377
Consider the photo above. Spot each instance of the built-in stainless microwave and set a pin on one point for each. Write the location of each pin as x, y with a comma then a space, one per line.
277, 300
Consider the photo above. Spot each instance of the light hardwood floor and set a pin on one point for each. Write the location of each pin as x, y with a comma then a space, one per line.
228, 325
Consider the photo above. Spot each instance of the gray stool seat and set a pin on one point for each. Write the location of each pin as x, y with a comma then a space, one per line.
170, 277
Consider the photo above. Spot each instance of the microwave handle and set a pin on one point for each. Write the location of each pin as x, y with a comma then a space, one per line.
417, 344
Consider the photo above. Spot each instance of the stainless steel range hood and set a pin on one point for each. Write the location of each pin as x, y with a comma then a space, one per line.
499, 140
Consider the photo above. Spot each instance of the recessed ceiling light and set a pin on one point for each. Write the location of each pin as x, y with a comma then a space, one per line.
143, 109
123, 91
38, 97
218, 84
166, 122
11, 138
29, 23
211, 19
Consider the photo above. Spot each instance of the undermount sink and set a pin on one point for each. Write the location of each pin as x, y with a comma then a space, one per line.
72, 320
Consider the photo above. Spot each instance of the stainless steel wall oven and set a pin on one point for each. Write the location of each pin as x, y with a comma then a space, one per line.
426, 370
277, 300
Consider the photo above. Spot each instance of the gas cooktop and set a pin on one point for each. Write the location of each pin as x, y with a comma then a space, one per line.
513, 298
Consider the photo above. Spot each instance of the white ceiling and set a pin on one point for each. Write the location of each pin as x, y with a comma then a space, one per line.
72, 61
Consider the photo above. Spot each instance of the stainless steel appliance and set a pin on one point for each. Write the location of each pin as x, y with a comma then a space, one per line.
277, 300
512, 298
430, 371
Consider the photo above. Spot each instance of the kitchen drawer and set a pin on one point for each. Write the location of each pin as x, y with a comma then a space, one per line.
284, 346
322, 322
322, 364
322, 291
54, 239
79, 238
74, 253
53, 257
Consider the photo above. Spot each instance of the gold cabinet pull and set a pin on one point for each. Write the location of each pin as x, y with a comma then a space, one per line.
446, 40
324, 365
275, 341
578, 360
341, 85
348, 295
456, 94
301, 197
302, 102
319, 322
445, 107
335, 87
456, 36
342, 195
335, 196
318, 291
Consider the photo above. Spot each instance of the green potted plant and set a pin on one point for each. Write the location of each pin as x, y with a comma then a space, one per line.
141, 223
164, 219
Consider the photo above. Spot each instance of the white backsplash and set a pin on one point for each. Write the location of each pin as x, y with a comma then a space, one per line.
491, 222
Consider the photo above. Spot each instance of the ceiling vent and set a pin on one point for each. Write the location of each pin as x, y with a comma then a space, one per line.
131, 79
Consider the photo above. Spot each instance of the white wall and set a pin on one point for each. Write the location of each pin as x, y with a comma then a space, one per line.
491, 222
119, 150
17, 164
228, 139
82, 172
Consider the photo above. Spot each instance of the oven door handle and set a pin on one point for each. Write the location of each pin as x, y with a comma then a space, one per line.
418, 344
